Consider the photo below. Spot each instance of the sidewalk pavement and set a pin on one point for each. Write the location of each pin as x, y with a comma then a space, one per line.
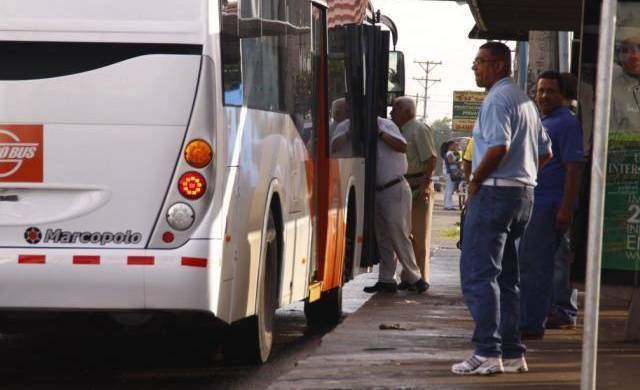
409, 341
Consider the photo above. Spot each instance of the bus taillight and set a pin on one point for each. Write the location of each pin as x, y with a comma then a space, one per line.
192, 185
198, 153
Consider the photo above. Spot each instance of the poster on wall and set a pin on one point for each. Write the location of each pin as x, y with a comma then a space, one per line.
621, 238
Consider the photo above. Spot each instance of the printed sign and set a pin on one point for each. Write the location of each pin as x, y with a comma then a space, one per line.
466, 105
21, 153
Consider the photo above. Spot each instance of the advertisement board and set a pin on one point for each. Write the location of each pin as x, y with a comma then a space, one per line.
466, 105
621, 238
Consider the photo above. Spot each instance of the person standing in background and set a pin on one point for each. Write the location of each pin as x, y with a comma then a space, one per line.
421, 158
546, 240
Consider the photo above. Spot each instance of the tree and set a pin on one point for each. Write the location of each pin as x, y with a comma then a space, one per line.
442, 124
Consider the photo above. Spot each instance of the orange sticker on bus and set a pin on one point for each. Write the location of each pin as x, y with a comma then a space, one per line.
21, 153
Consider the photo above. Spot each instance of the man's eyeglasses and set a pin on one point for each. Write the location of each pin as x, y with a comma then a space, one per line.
480, 61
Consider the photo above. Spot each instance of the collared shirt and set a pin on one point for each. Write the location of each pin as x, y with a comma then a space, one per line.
508, 117
566, 140
421, 145
390, 164
625, 102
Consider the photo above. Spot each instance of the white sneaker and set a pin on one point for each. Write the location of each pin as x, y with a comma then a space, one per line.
478, 365
515, 365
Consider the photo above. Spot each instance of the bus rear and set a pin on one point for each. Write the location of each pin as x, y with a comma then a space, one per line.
107, 155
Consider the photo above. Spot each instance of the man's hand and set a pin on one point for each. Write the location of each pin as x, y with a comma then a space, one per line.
563, 219
472, 189
425, 189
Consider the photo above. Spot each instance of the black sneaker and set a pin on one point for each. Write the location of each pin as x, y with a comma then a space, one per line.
420, 286
382, 286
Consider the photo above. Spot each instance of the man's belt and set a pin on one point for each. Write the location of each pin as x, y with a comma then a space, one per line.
414, 184
414, 175
495, 182
389, 184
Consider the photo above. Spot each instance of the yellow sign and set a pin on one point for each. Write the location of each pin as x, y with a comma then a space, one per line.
466, 105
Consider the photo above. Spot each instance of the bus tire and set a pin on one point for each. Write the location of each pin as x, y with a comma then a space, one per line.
251, 339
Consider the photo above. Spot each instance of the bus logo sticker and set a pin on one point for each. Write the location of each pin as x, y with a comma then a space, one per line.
59, 236
33, 235
21, 153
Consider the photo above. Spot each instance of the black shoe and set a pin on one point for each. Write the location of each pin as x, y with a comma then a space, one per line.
531, 335
382, 286
420, 286
404, 285
553, 322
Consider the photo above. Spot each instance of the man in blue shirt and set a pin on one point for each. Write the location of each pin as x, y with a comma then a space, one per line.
510, 144
555, 199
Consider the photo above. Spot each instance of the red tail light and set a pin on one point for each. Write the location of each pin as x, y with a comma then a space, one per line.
192, 185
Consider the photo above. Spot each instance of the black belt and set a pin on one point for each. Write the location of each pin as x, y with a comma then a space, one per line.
389, 184
414, 176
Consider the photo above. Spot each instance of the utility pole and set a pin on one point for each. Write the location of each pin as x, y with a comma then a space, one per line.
426, 82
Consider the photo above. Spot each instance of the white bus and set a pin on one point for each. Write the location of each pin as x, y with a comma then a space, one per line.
175, 156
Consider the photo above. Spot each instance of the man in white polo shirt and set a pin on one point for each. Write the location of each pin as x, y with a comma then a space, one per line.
393, 212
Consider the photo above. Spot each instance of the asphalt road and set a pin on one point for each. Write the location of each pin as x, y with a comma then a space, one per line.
83, 351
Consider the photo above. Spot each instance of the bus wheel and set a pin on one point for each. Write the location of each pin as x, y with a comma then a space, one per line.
251, 339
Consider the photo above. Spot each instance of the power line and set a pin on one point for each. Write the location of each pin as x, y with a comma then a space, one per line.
426, 82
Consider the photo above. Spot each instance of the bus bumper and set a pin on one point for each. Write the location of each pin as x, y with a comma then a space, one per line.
186, 278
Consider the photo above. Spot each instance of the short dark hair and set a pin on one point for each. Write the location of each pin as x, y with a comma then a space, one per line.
553, 75
499, 51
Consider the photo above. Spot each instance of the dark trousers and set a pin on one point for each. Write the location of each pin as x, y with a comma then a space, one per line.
496, 219
543, 256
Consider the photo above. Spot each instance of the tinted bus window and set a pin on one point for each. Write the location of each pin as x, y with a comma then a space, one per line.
230, 47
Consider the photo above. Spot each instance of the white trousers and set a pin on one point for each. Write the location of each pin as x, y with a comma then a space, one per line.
393, 229
448, 193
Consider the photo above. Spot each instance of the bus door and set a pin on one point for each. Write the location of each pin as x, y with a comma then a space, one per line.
376, 54
321, 179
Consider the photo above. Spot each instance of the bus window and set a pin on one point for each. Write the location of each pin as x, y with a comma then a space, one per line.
300, 68
230, 47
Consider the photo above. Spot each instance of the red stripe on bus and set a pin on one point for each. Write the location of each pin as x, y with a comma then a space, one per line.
140, 260
194, 262
86, 260
31, 259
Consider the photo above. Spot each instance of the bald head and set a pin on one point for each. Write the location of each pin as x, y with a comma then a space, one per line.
340, 110
404, 110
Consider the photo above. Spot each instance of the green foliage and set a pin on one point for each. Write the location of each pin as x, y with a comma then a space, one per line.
442, 124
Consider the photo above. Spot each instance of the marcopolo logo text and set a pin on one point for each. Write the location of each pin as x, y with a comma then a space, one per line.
59, 236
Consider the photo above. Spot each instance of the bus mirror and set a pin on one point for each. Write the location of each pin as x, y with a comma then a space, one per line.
395, 86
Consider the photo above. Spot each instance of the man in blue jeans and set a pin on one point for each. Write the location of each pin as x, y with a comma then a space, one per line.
546, 240
510, 144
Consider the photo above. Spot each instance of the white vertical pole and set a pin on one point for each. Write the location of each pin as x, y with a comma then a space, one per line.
523, 64
563, 51
596, 195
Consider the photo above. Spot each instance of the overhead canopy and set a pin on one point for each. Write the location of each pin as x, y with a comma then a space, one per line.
513, 19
